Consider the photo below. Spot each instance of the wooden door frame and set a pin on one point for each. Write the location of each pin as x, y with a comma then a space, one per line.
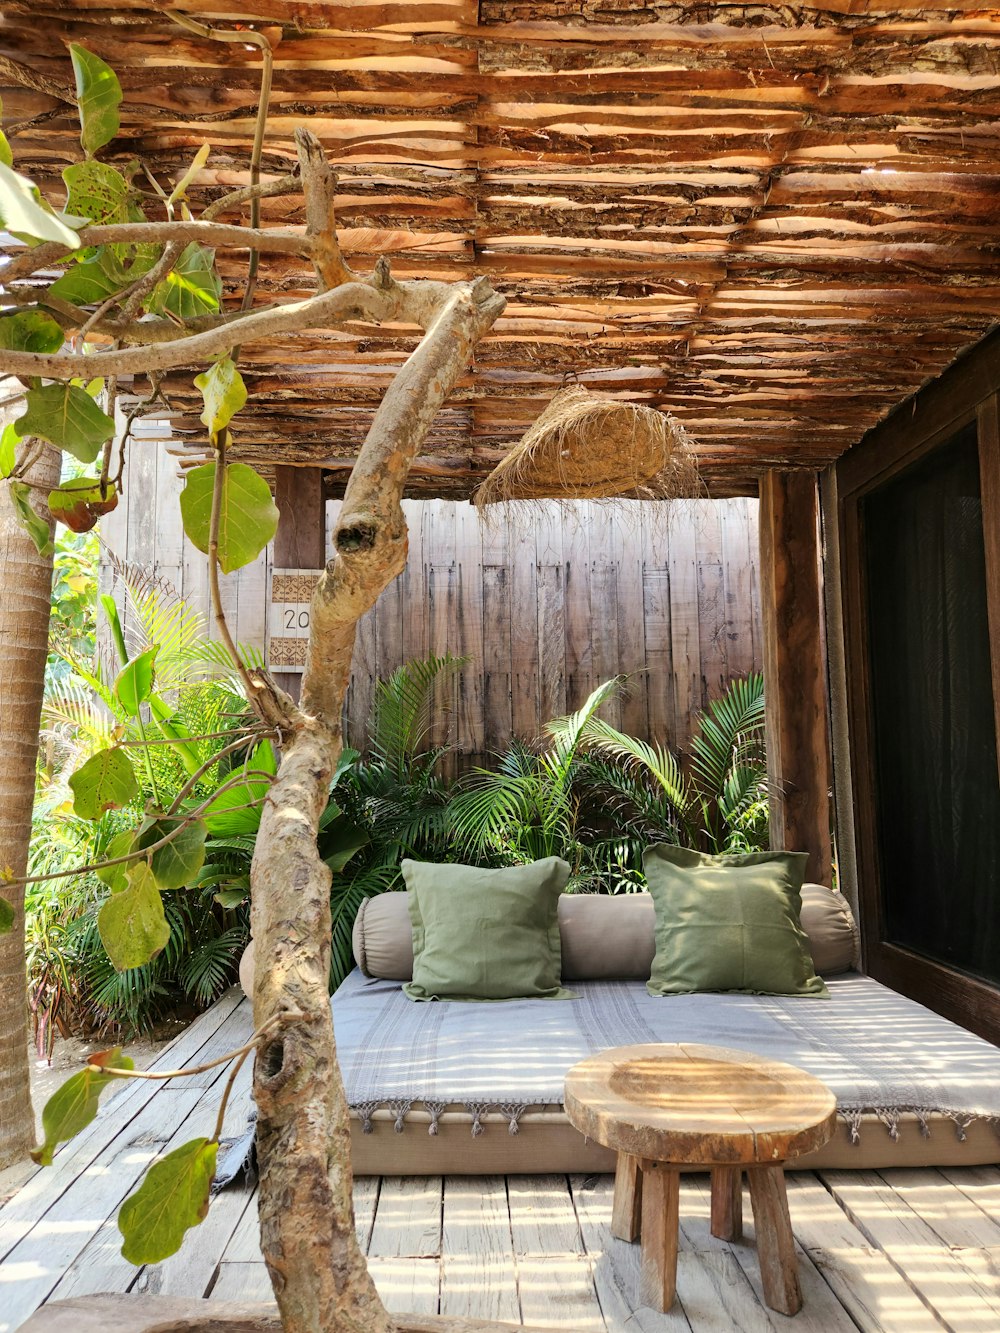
967, 394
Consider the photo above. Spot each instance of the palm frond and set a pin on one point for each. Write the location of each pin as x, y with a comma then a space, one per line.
401, 713
567, 732
728, 726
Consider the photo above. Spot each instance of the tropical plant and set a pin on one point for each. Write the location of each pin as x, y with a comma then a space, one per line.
529, 807
196, 719
718, 802
387, 805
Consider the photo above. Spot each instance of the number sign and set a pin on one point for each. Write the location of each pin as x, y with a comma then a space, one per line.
291, 595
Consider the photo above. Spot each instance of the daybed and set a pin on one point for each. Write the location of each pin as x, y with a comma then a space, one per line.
476, 1088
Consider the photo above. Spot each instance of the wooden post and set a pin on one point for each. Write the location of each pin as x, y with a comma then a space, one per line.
300, 542
798, 740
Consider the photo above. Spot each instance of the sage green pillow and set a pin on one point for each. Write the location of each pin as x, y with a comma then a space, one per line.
485, 934
729, 923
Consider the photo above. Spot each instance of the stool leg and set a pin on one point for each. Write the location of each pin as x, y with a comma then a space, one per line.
775, 1246
727, 1202
626, 1210
658, 1266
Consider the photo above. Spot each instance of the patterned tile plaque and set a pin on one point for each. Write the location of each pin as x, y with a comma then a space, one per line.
288, 627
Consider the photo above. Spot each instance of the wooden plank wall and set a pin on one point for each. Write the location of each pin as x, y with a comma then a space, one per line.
546, 603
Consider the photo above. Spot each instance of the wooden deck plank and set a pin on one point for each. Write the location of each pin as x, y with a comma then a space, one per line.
960, 1219
615, 1264
478, 1276
42, 1189
542, 1217
557, 1290
407, 1219
867, 1285
950, 1286
407, 1285
366, 1192
37, 1262
242, 1282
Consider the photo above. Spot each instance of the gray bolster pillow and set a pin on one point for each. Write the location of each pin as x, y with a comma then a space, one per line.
604, 937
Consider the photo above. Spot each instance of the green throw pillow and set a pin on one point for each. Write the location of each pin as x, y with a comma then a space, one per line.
729, 923
485, 934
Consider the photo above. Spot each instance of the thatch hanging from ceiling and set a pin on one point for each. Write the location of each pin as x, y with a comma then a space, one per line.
773, 221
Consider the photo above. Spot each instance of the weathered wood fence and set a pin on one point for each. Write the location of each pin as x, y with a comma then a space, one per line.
546, 603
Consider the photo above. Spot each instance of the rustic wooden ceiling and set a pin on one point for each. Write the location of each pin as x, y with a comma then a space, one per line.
773, 220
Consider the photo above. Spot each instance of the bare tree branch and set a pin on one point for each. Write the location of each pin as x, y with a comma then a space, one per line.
416, 302
319, 182
152, 233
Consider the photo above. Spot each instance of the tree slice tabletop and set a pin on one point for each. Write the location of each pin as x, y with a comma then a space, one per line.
698, 1105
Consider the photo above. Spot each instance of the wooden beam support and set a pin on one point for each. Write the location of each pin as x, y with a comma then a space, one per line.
300, 542
798, 736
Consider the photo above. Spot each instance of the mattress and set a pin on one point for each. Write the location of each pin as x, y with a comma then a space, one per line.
477, 1087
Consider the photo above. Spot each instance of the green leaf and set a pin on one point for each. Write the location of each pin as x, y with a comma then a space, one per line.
8, 449
105, 782
229, 898
34, 525
248, 518
7, 916
79, 504
66, 416
116, 877
96, 191
22, 211
74, 1106
134, 683
192, 287
6, 156
176, 865
132, 923
224, 393
93, 280
99, 95
173, 1197
30, 331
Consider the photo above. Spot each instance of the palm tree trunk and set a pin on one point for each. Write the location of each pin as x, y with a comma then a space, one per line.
25, 603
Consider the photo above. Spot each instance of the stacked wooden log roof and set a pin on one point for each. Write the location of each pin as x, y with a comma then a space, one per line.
774, 220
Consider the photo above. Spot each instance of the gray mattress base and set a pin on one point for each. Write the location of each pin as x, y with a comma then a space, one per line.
546, 1143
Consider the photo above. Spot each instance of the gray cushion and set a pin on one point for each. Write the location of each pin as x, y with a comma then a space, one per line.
604, 937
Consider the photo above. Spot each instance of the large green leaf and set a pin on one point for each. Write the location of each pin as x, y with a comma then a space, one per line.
34, 525
66, 416
116, 877
30, 331
175, 865
99, 95
79, 504
96, 191
74, 1106
105, 782
93, 280
173, 1197
134, 683
132, 923
8, 449
6, 917
23, 213
248, 517
192, 287
224, 394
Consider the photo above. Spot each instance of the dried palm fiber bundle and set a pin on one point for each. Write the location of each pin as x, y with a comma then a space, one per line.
585, 446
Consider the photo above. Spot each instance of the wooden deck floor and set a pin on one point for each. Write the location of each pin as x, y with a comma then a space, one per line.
899, 1250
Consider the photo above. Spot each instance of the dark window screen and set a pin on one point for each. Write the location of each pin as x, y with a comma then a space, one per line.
936, 785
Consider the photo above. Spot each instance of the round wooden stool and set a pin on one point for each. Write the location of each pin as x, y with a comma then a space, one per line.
664, 1107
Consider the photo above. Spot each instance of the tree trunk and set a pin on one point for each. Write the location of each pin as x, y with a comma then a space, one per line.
319, 1274
26, 579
